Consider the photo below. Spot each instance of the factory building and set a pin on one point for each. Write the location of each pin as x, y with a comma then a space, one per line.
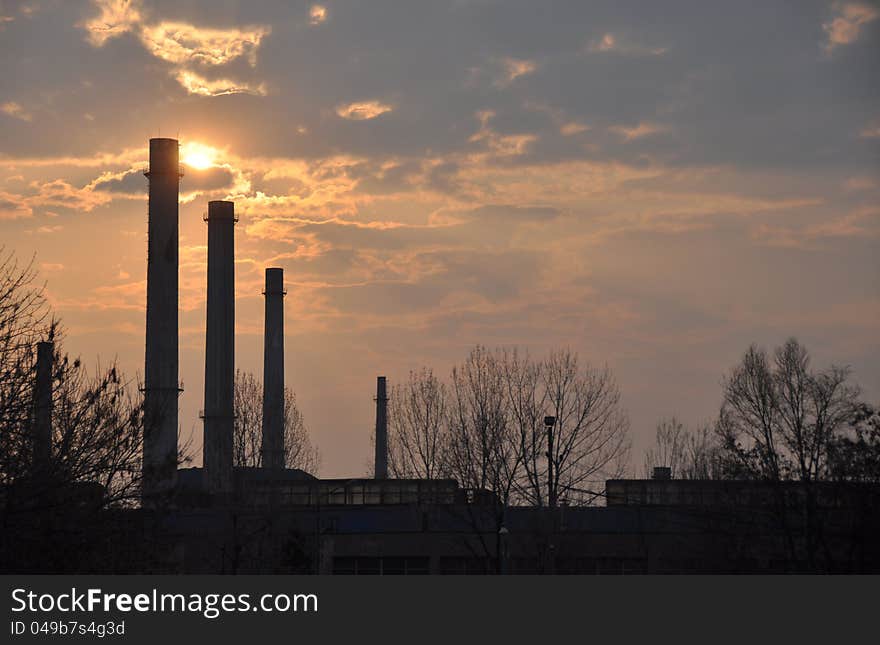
274, 519
219, 483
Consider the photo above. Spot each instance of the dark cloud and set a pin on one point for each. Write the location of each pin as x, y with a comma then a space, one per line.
133, 182
206, 180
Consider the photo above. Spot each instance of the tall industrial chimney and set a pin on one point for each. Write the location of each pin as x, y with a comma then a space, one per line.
220, 347
380, 471
42, 429
273, 371
161, 387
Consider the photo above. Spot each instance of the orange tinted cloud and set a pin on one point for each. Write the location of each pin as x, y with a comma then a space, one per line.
363, 110
317, 14
116, 17
845, 27
13, 109
644, 129
510, 145
609, 43
201, 86
181, 43
515, 68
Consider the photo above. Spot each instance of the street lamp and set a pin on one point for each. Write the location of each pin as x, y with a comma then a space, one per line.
549, 422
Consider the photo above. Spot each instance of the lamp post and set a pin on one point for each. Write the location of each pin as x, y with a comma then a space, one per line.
549, 422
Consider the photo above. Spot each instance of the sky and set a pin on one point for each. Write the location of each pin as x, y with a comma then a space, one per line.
653, 185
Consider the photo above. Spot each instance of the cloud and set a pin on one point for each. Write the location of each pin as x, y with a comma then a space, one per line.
58, 193
643, 129
50, 267
845, 27
860, 183
317, 14
871, 131
508, 145
609, 43
363, 110
573, 127
185, 44
605, 44
861, 223
127, 182
13, 207
201, 86
15, 110
514, 68
209, 179
116, 17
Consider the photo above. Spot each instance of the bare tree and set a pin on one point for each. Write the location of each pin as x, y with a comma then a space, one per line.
670, 445
484, 452
248, 428
591, 433
527, 397
702, 455
779, 422
689, 454
24, 320
418, 427
779, 417
97, 421
494, 437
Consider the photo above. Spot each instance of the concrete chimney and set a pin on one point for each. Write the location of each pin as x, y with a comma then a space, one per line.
161, 387
220, 348
42, 428
380, 470
273, 371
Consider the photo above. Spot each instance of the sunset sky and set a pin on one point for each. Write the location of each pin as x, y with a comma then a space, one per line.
653, 184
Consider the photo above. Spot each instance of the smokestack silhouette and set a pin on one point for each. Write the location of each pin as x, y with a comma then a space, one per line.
42, 429
273, 371
220, 347
380, 470
161, 387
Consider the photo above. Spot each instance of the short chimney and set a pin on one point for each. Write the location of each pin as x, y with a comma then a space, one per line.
380, 470
662, 473
42, 429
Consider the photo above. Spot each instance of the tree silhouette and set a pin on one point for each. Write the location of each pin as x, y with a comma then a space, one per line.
248, 428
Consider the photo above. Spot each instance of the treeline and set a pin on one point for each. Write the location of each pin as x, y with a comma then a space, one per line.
484, 425
487, 426
779, 420
97, 419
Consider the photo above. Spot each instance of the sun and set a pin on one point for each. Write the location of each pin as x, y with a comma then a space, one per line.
198, 155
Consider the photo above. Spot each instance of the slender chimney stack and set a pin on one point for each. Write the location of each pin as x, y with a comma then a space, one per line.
42, 429
220, 348
380, 471
161, 387
273, 371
